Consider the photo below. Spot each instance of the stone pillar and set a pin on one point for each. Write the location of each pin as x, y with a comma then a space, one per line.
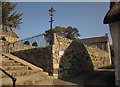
55, 68
55, 48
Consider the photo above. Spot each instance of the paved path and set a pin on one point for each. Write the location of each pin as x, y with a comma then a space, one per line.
101, 78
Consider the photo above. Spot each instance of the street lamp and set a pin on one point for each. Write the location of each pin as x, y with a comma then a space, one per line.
51, 12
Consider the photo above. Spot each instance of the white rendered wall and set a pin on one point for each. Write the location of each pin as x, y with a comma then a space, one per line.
115, 33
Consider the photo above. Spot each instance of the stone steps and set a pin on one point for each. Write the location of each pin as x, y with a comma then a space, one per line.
19, 73
25, 73
4, 59
47, 81
10, 68
11, 64
7, 61
4, 56
105, 70
26, 80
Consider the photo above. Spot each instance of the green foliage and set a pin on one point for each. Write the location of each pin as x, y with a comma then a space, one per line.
10, 19
69, 32
72, 33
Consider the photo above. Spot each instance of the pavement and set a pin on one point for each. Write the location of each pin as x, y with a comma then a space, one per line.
99, 78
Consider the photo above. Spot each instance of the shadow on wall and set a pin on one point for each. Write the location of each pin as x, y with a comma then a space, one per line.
40, 57
75, 60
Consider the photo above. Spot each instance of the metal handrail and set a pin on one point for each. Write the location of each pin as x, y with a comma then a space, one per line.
13, 79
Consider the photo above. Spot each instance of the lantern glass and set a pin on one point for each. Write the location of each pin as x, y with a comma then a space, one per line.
51, 12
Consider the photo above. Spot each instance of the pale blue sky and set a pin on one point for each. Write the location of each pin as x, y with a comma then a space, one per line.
86, 16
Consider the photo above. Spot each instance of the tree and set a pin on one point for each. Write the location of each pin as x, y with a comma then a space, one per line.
72, 33
69, 32
10, 19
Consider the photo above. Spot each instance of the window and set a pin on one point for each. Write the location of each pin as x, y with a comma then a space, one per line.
34, 44
27, 42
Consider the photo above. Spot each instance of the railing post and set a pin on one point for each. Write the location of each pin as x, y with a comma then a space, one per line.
14, 80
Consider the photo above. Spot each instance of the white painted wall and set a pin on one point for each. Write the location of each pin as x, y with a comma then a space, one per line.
115, 33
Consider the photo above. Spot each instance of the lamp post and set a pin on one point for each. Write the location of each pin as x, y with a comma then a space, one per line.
51, 12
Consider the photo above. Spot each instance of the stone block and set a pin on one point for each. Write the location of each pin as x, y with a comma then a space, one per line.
56, 66
55, 76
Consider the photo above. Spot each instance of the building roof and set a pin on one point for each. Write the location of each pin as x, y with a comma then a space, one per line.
94, 39
9, 33
113, 14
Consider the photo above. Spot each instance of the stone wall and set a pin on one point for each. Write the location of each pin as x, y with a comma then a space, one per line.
40, 57
10, 39
4, 46
66, 58
13, 47
100, 58
71, 57
10, 36
100, 42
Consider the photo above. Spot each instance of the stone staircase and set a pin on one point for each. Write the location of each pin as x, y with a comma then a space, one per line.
24, 72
